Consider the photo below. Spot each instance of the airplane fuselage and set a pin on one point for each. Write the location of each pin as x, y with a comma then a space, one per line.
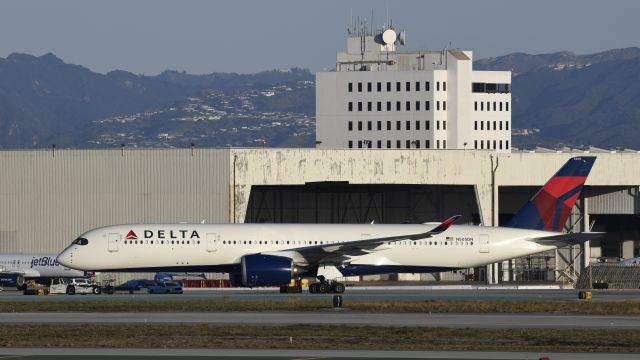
220, 247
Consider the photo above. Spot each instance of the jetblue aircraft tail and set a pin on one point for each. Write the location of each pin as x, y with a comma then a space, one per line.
550, 207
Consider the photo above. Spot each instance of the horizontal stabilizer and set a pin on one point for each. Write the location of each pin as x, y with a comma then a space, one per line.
568, 239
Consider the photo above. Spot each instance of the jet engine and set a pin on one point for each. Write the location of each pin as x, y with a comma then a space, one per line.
266, 270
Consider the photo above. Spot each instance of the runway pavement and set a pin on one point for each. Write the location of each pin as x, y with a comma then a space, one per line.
299, 354
333, 317
410, 293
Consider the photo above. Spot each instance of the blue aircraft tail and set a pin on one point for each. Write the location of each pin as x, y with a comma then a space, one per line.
551, 206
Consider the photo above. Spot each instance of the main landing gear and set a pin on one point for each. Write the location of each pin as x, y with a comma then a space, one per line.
326, 287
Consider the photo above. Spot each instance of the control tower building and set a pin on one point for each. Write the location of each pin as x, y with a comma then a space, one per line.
382, 98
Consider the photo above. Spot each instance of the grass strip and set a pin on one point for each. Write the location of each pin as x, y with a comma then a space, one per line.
318, 337
429, 306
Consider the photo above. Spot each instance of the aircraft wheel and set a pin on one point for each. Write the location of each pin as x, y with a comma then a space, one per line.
313, 288
21, 283
338, 288
97, 290
71, 290
323, 288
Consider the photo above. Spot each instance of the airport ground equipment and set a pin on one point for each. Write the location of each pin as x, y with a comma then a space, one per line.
610, 276
168, 287
73, 286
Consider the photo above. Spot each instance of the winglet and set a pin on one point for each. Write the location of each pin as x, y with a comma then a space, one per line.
445, 224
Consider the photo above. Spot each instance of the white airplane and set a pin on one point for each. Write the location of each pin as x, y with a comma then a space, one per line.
273, 254
15, 269
630, 261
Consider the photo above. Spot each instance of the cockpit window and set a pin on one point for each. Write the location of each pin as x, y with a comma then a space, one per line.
80, 241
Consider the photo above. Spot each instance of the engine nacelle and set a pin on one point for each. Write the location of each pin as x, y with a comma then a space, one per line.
266, 270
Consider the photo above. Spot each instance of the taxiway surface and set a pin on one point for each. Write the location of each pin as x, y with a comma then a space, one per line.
332, 317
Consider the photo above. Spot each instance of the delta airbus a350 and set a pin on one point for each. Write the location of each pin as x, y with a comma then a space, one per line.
273, 254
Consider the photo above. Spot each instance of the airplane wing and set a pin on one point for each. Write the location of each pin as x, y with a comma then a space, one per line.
568, 239
337, 253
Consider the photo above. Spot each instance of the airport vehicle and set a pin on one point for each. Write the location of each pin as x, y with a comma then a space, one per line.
73, 286
133, 285
273, 254
165, 287
16, 269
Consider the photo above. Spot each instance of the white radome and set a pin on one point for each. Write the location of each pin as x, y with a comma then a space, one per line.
389, 36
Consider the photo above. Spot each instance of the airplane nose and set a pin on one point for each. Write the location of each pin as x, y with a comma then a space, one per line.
65, 258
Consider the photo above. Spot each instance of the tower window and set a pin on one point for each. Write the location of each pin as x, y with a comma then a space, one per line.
427, 105
369, 87
398, 86
379, 125
426, 86
379, 105
369, 125
388, 86
408, 86
359, 105
379, 86
350, 87
397, 105
398, 125
417, 125
369, 106
408, 125
444, 87
408, 105
359, 125
350, 105
379, 144
388, 105
417, 85
388, 125
350, 144
359, 87
350, 125
417, 105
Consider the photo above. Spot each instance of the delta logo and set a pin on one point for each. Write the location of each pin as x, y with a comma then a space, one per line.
131, 235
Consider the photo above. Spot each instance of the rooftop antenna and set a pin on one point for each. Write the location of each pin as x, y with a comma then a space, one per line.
371, 32
387, 22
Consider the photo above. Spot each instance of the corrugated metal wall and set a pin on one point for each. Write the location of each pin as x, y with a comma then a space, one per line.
47, 199
615, 201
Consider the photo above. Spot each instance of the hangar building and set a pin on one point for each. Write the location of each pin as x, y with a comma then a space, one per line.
48, 197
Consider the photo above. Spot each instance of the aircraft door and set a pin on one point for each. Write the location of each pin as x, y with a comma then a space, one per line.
484, 243
212, 242
113, 240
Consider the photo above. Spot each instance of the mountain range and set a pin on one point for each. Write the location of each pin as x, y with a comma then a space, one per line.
558, 99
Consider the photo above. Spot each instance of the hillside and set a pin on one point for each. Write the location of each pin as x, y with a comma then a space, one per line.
560, 98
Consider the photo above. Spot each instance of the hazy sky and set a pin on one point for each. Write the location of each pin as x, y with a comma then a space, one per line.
149, 36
